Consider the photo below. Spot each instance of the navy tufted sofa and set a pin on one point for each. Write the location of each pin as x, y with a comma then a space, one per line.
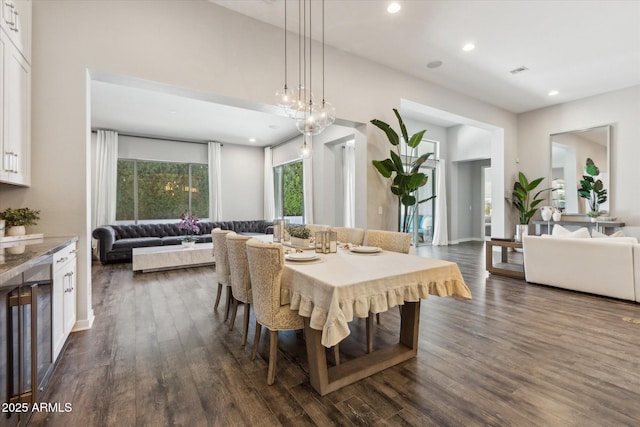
115, 242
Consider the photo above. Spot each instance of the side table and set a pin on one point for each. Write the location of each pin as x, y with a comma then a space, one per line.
504, 268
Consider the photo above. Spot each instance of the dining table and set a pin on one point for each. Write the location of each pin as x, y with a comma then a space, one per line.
330, 290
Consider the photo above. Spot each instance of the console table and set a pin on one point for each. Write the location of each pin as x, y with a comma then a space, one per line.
606, 227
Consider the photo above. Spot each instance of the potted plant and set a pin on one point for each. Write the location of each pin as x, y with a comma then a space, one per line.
17, 219
300, 236
404, 183
526, 203
189, 224
592, 189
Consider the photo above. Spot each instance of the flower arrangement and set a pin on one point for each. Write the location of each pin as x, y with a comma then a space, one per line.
189, 223
20, 216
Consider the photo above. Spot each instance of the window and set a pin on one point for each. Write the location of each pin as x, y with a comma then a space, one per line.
161, 190
289, 197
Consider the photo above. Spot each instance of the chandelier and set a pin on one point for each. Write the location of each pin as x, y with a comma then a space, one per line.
311, 117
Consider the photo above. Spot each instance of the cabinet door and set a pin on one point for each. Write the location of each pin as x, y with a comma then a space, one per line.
15, 20
70, 299
57, 315
17, 116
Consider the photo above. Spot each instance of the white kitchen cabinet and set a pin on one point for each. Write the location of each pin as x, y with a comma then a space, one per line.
15, 20
15, 94
64, 296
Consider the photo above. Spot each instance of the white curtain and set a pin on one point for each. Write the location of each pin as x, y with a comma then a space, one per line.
349, 174
105, 178
105, 174
440, 236
215, 181
307, 183
269, 186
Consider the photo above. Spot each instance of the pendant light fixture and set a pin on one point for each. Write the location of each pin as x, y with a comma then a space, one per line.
311, 117
284, 96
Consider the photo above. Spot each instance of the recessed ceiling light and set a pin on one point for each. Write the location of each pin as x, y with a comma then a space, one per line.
274, 127
468, 47
252, 140
553, 93
394, 7
434, 64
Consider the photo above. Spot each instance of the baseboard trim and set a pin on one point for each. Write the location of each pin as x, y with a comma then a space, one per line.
83, 325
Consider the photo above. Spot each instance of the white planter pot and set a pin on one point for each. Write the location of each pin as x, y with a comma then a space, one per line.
521, 231
546, 213
188, 244
557, 216
302, 243
16, 250
16, 230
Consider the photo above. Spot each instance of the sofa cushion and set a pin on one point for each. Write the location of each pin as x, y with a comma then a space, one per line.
136, 242
560, 231
597, 234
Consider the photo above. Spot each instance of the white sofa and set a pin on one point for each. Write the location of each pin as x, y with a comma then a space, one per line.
602, 266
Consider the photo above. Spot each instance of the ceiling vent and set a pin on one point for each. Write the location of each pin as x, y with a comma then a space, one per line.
518, 70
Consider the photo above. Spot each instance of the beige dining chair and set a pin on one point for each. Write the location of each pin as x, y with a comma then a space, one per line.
314, 228
393, 241
349, 235
266, 263
239, 279
219, 239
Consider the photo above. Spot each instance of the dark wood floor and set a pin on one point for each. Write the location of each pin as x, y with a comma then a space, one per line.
516, 355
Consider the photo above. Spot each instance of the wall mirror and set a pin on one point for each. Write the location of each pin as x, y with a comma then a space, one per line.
569, 153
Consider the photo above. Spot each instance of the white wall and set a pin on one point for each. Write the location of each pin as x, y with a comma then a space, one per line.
242, 183
199, 46
621, 109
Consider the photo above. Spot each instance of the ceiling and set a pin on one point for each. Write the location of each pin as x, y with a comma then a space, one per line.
579, 48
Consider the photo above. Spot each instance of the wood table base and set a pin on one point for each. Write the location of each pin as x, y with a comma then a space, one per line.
326, 379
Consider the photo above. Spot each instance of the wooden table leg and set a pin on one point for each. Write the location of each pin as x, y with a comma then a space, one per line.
325, 380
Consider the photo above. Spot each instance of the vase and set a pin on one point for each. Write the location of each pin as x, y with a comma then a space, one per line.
546, 213
557, 216
16, 230
188, 243
594, 219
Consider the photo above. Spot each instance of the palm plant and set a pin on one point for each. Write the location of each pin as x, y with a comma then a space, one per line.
404, 183
522, 200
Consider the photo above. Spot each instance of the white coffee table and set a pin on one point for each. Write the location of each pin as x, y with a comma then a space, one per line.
173, 256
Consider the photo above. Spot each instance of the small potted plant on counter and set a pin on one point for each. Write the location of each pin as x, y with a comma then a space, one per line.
300, 236
17, 220
592, 189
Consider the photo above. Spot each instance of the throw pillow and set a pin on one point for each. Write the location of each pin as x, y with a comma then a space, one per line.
596, 233
560, 231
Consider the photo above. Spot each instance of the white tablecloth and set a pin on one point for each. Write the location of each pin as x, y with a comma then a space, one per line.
340, 286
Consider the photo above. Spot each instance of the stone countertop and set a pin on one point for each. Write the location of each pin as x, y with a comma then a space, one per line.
12, 262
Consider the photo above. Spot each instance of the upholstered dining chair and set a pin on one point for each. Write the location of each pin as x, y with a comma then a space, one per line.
266, 263
314, 228
240, 280
349, 235
393, 241
388, 240
219, 239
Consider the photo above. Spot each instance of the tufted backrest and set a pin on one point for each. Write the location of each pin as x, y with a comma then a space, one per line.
239, 267
219, 239
388, 240
146, 230
349, 235
255, 226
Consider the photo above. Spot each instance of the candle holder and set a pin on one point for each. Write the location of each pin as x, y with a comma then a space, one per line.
280, 227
